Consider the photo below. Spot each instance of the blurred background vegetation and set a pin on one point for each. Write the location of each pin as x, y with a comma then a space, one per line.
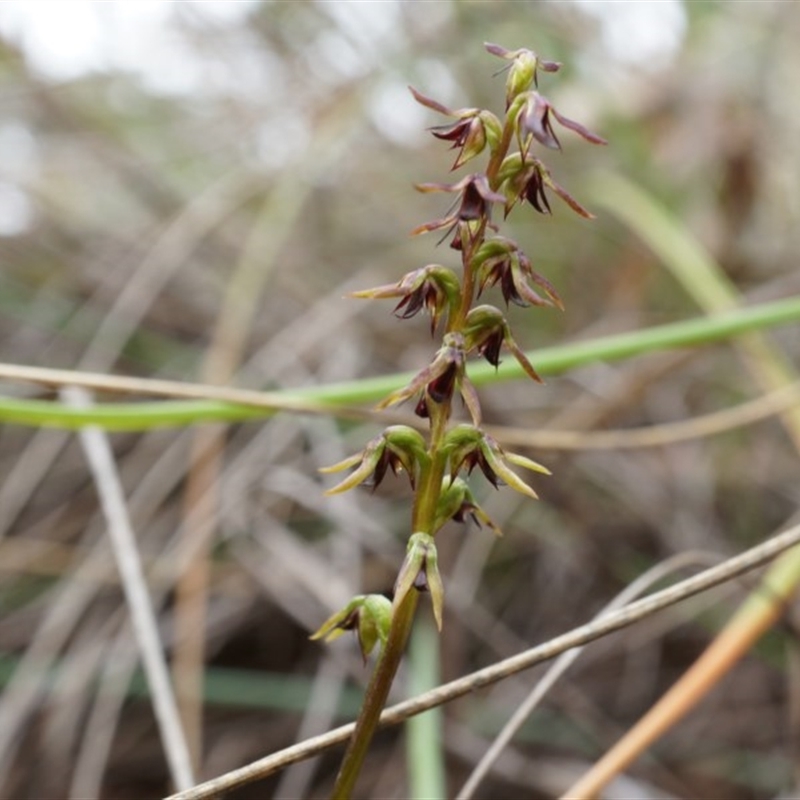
187, 190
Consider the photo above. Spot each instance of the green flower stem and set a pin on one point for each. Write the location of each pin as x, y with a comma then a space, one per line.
456, 323
496, 160
376, 695
334, 397
426, 498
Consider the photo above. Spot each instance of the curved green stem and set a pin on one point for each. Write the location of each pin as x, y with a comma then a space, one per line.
331, 398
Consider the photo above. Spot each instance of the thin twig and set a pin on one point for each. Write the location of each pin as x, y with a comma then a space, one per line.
123, 542
699, 427
722, 421
153, 387
565, 660
323, 399
731, 568
755, 616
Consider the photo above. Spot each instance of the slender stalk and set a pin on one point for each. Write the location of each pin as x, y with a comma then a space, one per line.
143, 619
496, 160
222, 403
468, 247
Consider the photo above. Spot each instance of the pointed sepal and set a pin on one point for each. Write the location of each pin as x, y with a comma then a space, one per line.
399, 448
420, 571
468, 447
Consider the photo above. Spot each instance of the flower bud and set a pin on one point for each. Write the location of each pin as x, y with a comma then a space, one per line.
486, 331
420, 571
369, 615
500, 261
456, 502
523, 70
521, 76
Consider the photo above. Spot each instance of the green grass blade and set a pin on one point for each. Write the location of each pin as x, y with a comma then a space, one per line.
425, 753
548, 361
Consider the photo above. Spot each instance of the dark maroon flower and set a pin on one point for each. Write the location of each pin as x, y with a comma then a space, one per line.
477, 458
500, 261
433, 287
490, 347
534, 121
467, 135
473, 205
442, 386
534, 193
527, 179
470, 132
399, 448
439, 381
469, 447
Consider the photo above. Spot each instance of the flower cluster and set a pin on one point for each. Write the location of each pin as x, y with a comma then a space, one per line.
439, 466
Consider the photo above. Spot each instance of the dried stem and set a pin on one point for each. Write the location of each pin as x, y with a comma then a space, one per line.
123, 540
